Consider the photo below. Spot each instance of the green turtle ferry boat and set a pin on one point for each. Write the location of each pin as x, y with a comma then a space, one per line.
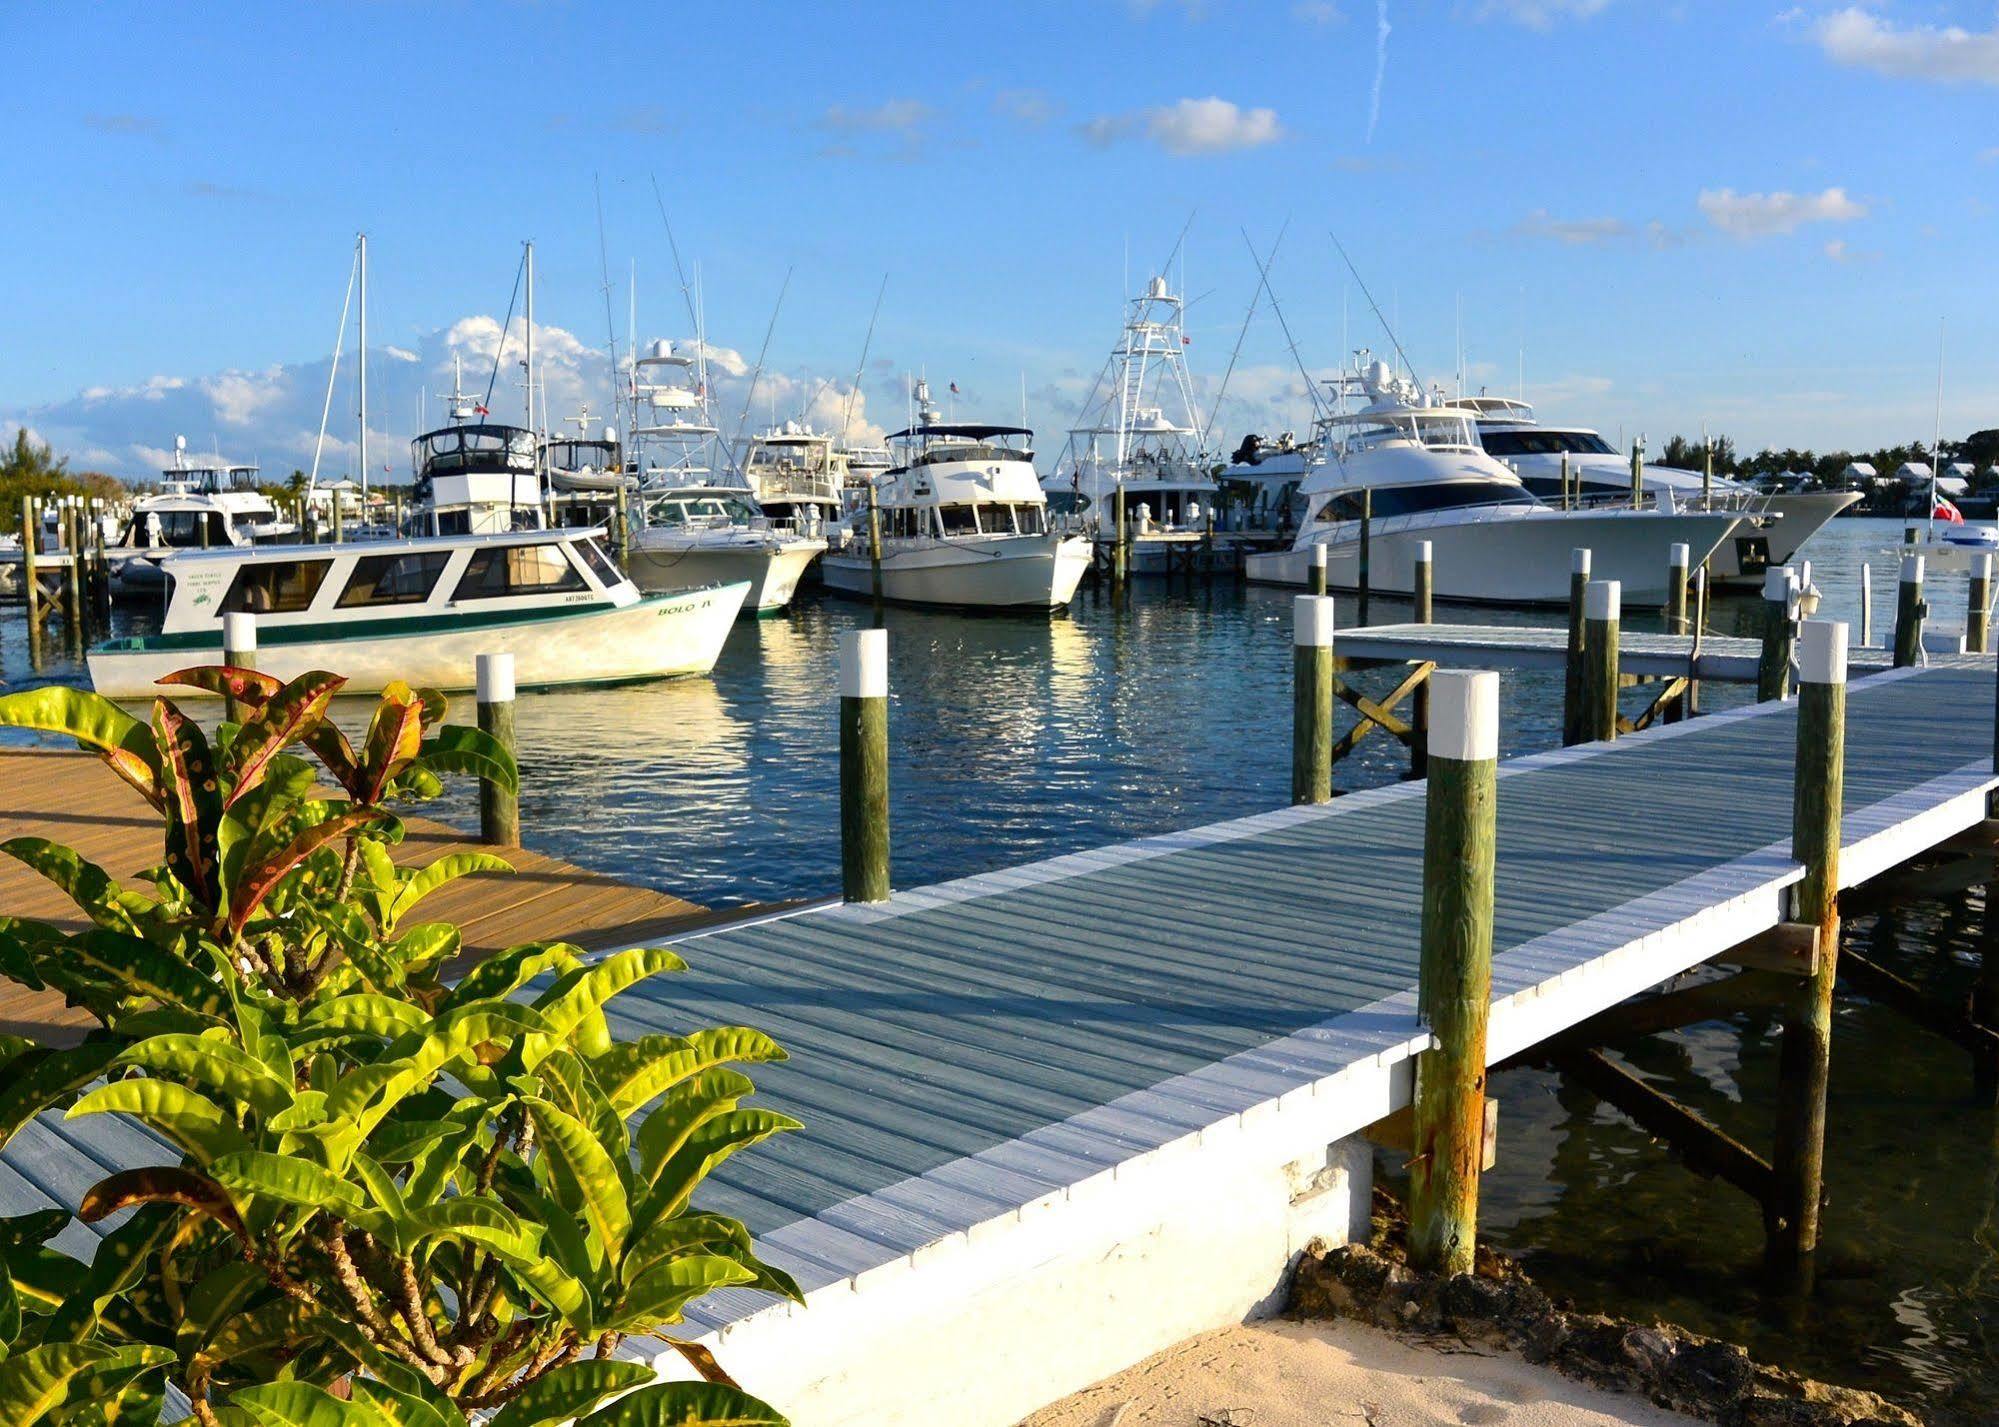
421, 611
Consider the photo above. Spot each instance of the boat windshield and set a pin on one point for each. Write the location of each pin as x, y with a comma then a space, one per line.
1543, 442
705, 509
473, 449
1436, 430
582, 455
943, 451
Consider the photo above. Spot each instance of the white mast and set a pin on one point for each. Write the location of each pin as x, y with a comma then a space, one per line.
361, 247
530, 339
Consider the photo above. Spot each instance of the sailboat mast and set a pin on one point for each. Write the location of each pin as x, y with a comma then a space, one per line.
530, 340
361, 244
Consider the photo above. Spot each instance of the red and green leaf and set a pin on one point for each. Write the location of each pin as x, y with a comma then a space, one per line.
193, 798
394, 737
259, 879
248, 687
162, 1184
289, 716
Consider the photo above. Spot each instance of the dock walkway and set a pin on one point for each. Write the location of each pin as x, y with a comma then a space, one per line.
1063, 1112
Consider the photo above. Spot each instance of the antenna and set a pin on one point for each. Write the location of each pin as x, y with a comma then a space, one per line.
1247, 318
1362, 284
610, 326
757, 375
1263, 273
678, 269
861, 367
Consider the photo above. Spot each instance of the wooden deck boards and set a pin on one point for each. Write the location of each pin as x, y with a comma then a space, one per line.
72, 798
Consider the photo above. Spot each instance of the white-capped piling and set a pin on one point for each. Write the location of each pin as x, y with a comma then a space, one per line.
1866, 606
1780, 613
864, 846
1312, 699
1978, 604
1315, 570
239, 651
1422, 585
1602, 613
1677, 559
1909, 613
1454, 990
1572, 689
499, 806
1806, 1056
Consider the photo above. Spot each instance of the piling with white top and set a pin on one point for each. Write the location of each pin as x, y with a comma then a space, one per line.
1780, 612
31, 575
499, 806
1315, 571
864, 850
1364, 577
1454, 992
1978, 604
1866, 606
239, 651
1572, 716
1312, 699
1805, 1060
1909, 613
1602, 614
1422, 583
1677, 560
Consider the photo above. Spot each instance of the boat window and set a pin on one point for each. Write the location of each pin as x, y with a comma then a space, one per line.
498, 570
1029, 520
959, 519
1415, 500
405, 578
1545, 443
274, 587
193, 529
600, 564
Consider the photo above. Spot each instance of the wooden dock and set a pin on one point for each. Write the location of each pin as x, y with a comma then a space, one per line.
72, 798
1068, 1113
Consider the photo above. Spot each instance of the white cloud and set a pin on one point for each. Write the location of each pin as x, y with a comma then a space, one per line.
400, 354
1190, 127
1578, 232
1541, 14
239, 396
891, 116
1948, 54
1029, 106
1755, 215
153, 388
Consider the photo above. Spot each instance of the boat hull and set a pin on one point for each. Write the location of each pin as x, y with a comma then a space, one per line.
1741, 559
1513, 560
654, 638
772, 571
1003, 572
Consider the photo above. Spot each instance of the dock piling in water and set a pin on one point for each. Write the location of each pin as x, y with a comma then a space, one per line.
1602, 612
1866, 606
1909, 612
1978, 604
1315, 579
1454, 990
1780, 606
1365, 579
1423, 581
499, 808
239, 651
1572, 691
1806, 1056
864, 853
1677, 559
1312, 699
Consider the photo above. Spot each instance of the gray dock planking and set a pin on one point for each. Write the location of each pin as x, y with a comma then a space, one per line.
1726, 658
965, 1052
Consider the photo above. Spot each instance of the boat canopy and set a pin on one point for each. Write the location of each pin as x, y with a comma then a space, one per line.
965, 430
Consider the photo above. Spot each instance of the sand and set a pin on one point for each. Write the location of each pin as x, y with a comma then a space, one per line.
1284, 1374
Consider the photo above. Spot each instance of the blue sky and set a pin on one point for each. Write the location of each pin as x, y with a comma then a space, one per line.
1748, 215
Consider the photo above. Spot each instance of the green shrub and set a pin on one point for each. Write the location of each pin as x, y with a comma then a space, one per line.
400, 1200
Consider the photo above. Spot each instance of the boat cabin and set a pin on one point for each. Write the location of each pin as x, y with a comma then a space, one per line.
331, 585
958, 479
477, 479
796, 475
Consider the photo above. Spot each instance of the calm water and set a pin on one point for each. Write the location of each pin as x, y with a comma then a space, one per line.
1018, 738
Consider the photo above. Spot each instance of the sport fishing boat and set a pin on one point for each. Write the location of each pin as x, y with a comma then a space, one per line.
422, 610
197, 507
797, 476
1141, 437
1409, 467
691, 525
1773, 525
475, 476
962, 523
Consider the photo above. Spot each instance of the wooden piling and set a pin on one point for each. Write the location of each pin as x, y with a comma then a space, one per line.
31, 575
1312, 699
1978, 604
1315, 572
1866, 606
339, 519
100, 563
1677, 558
864, 846
1806, 1056
1365, 579
1909, 612
1601, 615
1690, 702
1567, 501
1572, 690
875, 549
1422, 583
1773, 664
71, 534
1121, 551
1637, 474
239, 651
499, 807
1455, 987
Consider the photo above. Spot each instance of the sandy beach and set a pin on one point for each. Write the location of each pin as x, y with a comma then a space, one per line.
1294, 1374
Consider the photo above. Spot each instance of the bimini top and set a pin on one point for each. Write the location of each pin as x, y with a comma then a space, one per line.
969, 430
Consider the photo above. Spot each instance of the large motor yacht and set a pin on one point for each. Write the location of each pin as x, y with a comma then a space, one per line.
961, 521
1141, 437
1772, 526
476, 476
691, 524
797, 475
1410, 468
212, 506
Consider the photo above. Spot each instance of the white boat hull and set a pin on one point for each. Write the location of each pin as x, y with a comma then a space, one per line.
771, 569
654, 638
972, 572
1742, 558
1512, 555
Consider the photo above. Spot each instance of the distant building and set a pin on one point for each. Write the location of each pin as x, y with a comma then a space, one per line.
1858, 475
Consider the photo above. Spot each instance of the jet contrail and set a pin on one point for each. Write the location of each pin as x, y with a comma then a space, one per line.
1380, 67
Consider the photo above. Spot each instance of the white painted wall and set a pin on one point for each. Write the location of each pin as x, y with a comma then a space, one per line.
1038, 1307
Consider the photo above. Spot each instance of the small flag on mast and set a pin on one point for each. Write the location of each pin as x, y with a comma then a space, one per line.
1185, 340
954, 390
